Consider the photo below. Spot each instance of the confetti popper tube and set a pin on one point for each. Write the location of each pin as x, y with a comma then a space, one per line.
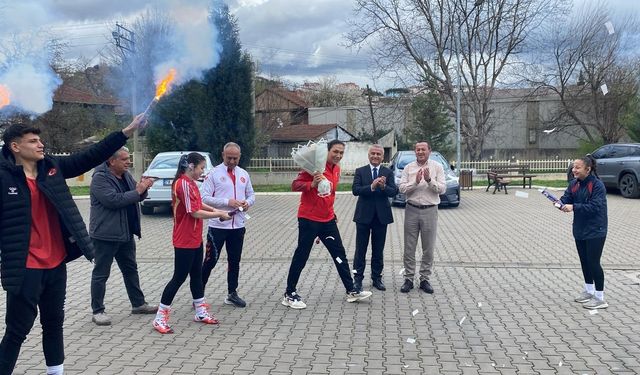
552, 198
150, 107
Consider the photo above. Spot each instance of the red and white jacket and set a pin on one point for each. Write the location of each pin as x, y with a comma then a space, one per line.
218, 187
312, 206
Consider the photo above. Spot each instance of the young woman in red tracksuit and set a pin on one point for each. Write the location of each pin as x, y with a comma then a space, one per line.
188, 212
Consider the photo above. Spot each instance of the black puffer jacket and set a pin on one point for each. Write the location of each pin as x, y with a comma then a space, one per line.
15, 205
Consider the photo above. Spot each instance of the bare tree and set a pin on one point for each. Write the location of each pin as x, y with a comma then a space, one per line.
327, 92
592, 73
429, 40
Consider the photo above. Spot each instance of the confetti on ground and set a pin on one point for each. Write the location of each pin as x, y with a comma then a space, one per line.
493, 364
634, 276
593, 312
522, 194
560, 364
604, 88
479, 304
355, 271
411, 340
401, 272
338, 260
462, 320
414, 312
609, 26
406, 366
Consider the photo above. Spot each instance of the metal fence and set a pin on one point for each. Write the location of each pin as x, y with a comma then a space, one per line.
538, 166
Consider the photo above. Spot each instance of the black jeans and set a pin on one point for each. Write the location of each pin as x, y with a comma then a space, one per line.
188, 262
234, 240
328, 233
378, 233
125, 255
44, 290
590, 252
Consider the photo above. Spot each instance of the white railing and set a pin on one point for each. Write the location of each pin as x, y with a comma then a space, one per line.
287, 164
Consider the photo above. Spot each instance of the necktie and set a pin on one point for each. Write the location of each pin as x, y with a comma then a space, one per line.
375, 173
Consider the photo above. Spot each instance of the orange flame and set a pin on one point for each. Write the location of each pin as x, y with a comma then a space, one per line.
5, 95
162, 87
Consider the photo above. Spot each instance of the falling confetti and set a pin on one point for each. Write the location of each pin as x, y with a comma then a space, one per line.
338, 260
354, 271
609, 26
604, 88
414, 312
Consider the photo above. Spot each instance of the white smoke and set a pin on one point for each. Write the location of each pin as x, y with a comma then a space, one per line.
31, 86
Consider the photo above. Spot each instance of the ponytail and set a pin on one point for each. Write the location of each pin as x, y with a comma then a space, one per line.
590, 162
187, 161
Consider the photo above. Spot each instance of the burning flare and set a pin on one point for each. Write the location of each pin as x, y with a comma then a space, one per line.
162, 87
5, 95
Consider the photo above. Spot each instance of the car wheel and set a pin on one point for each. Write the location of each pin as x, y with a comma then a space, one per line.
146, 210
628, 186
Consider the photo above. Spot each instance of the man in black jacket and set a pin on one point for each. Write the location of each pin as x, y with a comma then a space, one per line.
40, 230
373, 184
113, 221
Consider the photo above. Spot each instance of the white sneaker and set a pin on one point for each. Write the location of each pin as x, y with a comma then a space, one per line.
358, 296
584, 297
101, 319
293, 300
595, 303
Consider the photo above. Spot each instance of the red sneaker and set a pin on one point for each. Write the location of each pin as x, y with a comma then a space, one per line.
161, 324
204, 316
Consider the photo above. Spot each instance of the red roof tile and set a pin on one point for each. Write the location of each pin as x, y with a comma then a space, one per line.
297, 133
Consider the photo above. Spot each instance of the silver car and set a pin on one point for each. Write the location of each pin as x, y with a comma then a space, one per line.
163, 167
618, 166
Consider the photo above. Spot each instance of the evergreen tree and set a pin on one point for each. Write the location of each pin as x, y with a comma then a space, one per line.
430, 123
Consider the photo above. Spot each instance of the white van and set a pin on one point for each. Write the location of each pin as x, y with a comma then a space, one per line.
164, 167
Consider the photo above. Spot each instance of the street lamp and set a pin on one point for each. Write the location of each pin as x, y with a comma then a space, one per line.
459, 93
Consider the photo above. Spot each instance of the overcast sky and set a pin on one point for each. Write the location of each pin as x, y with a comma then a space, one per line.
296, 40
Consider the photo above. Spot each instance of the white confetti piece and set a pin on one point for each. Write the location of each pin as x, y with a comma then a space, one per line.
414, 312
560, 364
604, 88
524, 357
330, 238
609, 26
411, 340
634, 276
493, 364
593, 312
401, 272
339, 260
462, 320
354, 272
479, 304
247, 217
522, 194
406, 366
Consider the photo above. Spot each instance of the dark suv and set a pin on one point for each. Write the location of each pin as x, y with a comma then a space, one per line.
618, 166
451, 197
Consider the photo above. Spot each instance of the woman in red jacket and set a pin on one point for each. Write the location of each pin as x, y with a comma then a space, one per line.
188, 212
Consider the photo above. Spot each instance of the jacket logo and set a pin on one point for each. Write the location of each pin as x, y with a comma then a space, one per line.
243, 180
52, 171
222, 178
13, 190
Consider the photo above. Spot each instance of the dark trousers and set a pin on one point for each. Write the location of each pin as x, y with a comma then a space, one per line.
328, 233
42, 290
188, 262
125, 255
233, 239
378, 233
590, 252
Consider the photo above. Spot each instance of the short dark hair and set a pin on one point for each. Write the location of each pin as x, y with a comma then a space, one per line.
16, 131
333, 143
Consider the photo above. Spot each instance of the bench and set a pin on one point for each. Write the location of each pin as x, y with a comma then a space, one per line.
500, 176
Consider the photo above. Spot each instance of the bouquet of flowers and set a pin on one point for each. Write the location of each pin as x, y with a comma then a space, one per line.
312, 157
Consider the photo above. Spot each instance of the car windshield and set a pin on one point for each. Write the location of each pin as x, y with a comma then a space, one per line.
404, 159
165, 162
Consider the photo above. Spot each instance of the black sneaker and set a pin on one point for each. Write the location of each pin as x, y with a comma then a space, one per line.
407, 286
426, 287
234, 299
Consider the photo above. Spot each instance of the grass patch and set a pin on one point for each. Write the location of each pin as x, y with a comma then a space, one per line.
79, 190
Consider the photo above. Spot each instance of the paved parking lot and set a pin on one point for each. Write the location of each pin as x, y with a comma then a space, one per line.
506, 271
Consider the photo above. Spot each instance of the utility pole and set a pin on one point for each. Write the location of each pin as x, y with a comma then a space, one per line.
125, 41
373, 120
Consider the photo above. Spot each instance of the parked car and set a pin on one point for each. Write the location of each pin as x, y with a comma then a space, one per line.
618, 166
451, 197
164, 167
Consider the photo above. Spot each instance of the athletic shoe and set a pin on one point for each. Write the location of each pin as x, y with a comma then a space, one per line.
584, 297
161, 324
358, 296
595, 303
234, 299
204, 316
145, 308
101, 319
293, 300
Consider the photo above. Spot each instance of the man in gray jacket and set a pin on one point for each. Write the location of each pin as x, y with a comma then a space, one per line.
114, 219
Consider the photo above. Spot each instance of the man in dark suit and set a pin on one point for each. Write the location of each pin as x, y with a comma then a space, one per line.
373, 184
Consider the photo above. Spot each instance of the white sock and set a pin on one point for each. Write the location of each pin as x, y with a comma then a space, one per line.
55, 370
162, 307
200, 310
600, 295
590, 288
